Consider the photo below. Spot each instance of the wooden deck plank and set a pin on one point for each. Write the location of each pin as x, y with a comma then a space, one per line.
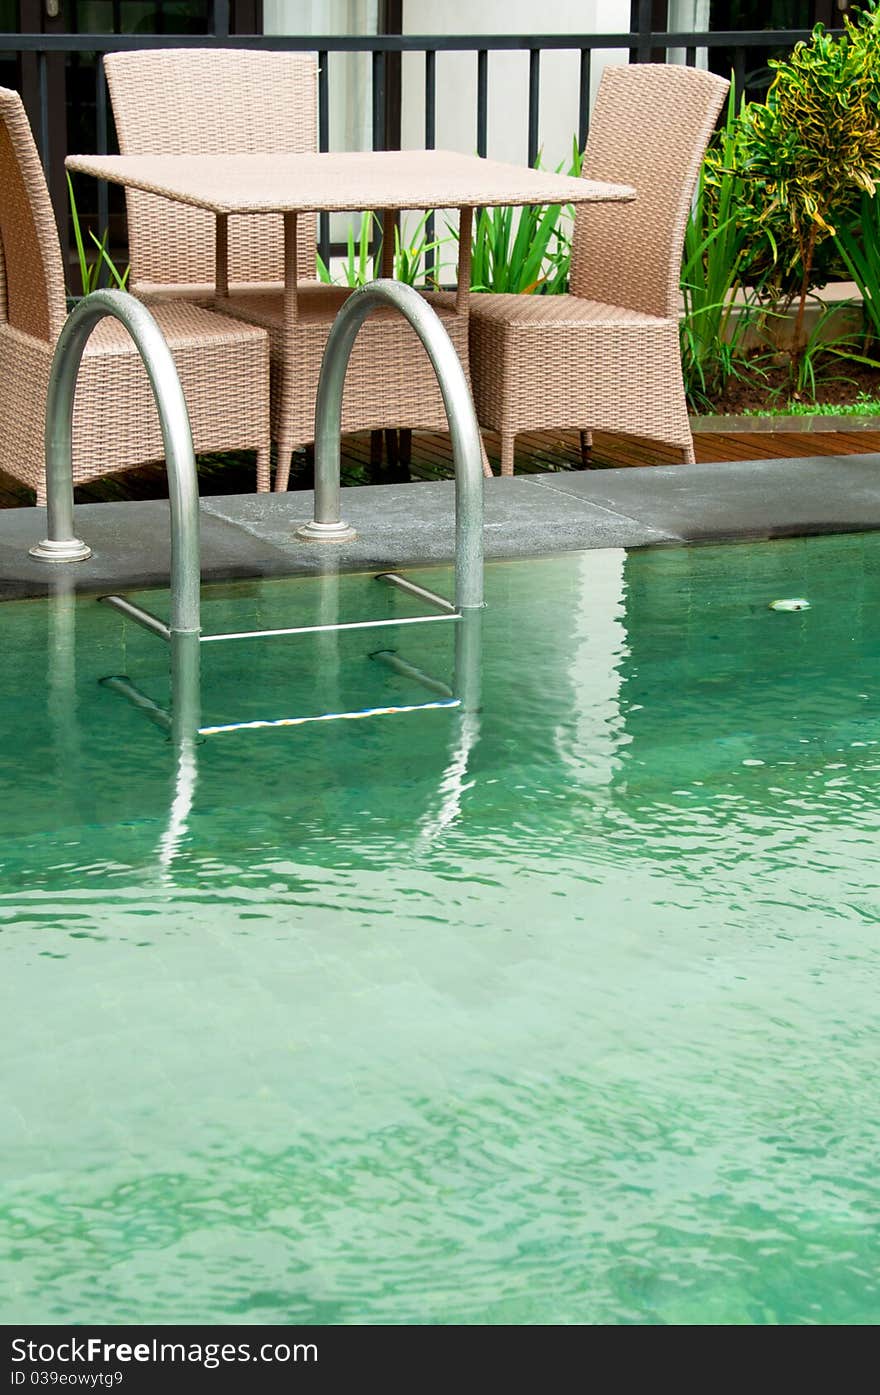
432, 459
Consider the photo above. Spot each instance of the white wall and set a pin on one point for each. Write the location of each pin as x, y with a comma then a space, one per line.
351, 101
350, 88
508, 73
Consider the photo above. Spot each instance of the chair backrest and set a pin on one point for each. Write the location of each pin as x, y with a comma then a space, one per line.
650, 128
211, 101
32, 296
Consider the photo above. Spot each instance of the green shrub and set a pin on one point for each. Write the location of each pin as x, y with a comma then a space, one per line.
363, 259
90, 271
859, 242
812, 146
718, 255
528, 250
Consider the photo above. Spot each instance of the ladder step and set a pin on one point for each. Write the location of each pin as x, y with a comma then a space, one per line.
325, 629
329, 717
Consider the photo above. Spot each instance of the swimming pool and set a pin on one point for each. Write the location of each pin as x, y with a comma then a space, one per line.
566, 1015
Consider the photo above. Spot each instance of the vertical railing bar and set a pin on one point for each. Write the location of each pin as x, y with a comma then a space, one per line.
324, 144
378, 99
643, 51
430, 139
430, 98
739, 72
43, 83
221, 19
584, 98
323, 100
378, 137
482, 101
690, 56
534, 96
101, 142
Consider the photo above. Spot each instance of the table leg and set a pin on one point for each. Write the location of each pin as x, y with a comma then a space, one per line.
389, 223
465, 227
285, 442
221, 256
463, 290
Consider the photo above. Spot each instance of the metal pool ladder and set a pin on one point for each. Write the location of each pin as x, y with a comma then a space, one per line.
183, 630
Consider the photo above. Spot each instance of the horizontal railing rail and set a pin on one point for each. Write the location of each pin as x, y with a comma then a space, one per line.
408, 43
385, 50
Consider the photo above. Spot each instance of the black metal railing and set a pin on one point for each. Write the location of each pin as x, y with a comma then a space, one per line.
385, 51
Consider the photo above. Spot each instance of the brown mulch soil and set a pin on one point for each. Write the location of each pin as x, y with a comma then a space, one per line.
839, 382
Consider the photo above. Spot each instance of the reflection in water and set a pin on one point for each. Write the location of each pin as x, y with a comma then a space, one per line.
583, 700
715, 683
454, 781
185, 777
186, 708
187, 732
61, 674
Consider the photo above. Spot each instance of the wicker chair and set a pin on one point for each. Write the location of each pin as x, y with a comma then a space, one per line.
238, 101
223, 364
607, 356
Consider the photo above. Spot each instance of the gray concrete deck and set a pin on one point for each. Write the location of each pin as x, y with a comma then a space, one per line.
404, 524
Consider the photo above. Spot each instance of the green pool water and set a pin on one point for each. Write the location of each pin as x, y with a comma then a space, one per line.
565, 1013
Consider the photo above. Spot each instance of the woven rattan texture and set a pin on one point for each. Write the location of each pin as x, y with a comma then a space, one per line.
233, 183
599, 375
28, 234
211, 101
607, 356
223, 363
389, 383
649, 128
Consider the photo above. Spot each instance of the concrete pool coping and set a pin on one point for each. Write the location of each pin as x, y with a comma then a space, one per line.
252, 535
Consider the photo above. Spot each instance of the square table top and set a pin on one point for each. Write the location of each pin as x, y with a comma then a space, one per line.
337, 182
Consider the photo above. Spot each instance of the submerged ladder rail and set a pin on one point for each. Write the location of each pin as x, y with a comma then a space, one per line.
146, 618
412, 588
398, 664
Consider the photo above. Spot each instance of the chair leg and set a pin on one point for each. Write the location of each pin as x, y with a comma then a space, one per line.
687, 455
264, 470
282, 465
392, 450
507, 440
586, 450
41, 495
487, 468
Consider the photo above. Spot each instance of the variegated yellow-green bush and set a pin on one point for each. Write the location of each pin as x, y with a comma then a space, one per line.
815, 141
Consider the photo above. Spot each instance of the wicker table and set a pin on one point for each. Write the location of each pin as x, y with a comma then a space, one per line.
390, 181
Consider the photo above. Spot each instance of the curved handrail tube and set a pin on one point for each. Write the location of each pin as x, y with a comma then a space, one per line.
463, 428
61, 544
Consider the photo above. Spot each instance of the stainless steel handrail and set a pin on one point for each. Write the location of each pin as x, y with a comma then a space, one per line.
183, 633
61, 543
327, 526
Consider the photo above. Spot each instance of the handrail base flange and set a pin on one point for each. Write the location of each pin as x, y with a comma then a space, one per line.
326, 532
66, 550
